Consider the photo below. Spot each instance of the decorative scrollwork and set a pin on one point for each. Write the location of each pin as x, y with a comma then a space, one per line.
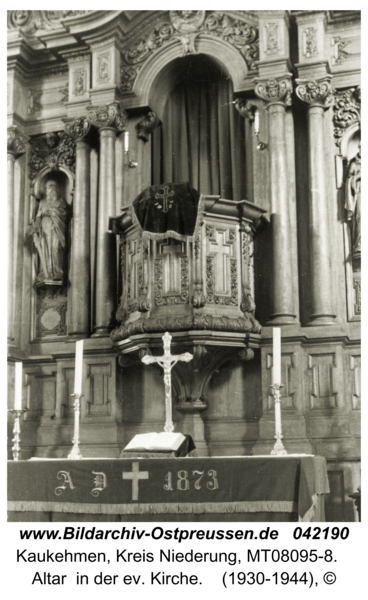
108, 116
187, 26
238, 33
16, 142
196, 322
245, 108
147, 125
347, 111
316, 92
53, 150
79, 128
275, 90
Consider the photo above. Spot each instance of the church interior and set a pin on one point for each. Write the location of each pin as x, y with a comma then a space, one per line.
250, 117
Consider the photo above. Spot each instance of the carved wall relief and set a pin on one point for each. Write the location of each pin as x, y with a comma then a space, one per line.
347, 108
53, 150
51, 312
80, 76
30, 21
187, 26
271, 38
310, 42
103, 67
323, 388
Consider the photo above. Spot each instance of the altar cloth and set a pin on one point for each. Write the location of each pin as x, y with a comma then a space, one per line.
184, 489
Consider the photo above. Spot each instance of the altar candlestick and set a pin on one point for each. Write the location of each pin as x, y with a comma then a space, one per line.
276, 372
126, 142
18, 386
78, 367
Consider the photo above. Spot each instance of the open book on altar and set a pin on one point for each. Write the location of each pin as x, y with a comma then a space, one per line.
156, 442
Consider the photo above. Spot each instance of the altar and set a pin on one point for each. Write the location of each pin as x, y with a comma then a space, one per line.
206, 489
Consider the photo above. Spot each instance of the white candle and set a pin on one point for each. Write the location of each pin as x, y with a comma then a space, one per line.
78, 367
126, 141
276, 371
18, 385
256, 121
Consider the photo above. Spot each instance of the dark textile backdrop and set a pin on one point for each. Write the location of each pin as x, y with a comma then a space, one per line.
202, 137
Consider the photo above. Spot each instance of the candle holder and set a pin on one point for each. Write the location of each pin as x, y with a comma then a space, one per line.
17, 412
75, 453
278, 449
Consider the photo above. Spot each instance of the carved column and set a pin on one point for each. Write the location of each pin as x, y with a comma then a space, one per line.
109, 120
276, 94
16, 146
79, 323
318, 96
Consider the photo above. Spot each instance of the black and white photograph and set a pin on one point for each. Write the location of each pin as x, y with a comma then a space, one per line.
184, 296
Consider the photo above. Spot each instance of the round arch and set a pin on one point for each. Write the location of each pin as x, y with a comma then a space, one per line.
154, 81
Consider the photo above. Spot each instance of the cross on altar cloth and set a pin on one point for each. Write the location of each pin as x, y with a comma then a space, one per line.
135, 475
167, 362
165, 196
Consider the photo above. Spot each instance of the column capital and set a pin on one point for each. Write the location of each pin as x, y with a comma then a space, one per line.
316, 92
79, 128
245, 108
111, 116
16, 142
275, 90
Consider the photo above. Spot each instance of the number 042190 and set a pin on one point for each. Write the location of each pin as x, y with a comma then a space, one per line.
185, 480
317, 533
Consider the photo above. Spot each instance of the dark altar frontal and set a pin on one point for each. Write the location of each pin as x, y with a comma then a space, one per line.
243, 489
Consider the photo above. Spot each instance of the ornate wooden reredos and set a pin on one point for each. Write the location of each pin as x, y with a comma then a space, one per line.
92, 100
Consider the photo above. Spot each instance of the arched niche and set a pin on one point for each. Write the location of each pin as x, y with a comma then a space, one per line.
63, 177
350, 142
156, 79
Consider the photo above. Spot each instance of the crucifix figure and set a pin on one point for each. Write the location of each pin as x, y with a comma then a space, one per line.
167, 362
165, 196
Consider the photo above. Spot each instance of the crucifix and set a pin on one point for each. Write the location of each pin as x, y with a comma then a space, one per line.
167, 362
165, 196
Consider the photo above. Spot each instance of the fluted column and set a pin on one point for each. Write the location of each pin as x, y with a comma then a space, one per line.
80, 291
318, 96
276, 93
16, 146
110, 120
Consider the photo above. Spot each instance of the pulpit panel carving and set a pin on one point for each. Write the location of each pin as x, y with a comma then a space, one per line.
171, 273
322, 384
221, 266
355, 368
98, 402
134, 273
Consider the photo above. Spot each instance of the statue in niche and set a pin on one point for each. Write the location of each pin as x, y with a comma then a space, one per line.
353, 204
48, 231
